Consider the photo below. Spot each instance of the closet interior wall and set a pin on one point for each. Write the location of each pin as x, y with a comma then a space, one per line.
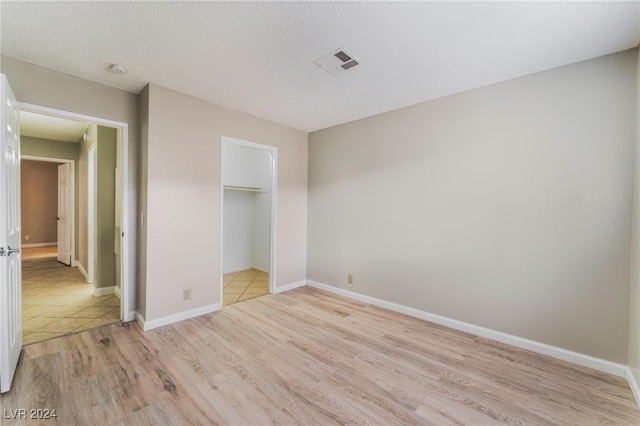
246, 177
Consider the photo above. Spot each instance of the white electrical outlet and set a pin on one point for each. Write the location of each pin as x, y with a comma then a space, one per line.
350, 279
27, 237
186, 294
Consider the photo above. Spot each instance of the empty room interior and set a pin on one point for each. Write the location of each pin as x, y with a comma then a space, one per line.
328, 213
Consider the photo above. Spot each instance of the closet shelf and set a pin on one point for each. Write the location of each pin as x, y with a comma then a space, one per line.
243, 188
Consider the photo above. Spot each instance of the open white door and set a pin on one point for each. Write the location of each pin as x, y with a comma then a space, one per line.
64, 230
10, 257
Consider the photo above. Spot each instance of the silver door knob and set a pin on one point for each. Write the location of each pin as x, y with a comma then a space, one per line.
8, 252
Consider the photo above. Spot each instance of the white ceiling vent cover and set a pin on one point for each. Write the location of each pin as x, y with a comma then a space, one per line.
337, 62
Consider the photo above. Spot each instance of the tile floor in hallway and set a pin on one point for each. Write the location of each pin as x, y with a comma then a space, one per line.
57, 301
244, 285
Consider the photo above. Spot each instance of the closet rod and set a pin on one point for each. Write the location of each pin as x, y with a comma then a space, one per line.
243, 188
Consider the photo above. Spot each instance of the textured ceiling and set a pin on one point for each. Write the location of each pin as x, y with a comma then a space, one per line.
53, 128
257, 57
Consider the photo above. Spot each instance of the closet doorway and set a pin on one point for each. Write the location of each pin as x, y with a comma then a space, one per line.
248, 220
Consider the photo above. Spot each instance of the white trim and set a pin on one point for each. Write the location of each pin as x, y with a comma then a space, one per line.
128, 284
39, 245
633, 384
542, 348
274, 216
246, 268
140, 320
131, 316
181, 316
103, 291
221, 255
92, 186
82, 270
247, 143
117, 292
234, 270
287, 287
46, 159
25, 106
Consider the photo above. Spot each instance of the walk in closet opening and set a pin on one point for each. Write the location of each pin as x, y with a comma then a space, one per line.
248, 213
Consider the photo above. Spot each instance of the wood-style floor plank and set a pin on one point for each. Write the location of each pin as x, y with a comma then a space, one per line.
306, 357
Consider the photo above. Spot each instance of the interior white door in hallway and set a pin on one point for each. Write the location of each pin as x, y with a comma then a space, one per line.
64, 201
10, 257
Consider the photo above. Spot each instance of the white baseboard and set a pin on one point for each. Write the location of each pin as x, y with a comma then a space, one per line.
117, 292
181, 316
542, 348
287, 287
140, 320
233, 270
35, 245
130, 316
633, 384
83, 272
103, 291
245, 268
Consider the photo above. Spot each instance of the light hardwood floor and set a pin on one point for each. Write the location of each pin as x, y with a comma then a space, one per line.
307, 357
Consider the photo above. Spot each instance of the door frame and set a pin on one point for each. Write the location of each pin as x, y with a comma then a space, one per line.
274, 202
91, 215
72, 198
127, 310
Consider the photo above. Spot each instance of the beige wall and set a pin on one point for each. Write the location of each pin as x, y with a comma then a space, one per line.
105, 207
634, 317
507, 207
183, 199
39, 192
41, 86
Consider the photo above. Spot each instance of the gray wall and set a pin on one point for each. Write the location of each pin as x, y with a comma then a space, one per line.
48, 148
39, 201
634, 317
105, 207
182, 198
508, 206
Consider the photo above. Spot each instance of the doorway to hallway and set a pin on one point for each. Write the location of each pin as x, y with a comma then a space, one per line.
60, 299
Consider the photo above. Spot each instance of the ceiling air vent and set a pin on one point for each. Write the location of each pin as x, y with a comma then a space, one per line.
337, 62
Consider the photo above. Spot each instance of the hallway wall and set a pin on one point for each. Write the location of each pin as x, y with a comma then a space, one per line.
39, 202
